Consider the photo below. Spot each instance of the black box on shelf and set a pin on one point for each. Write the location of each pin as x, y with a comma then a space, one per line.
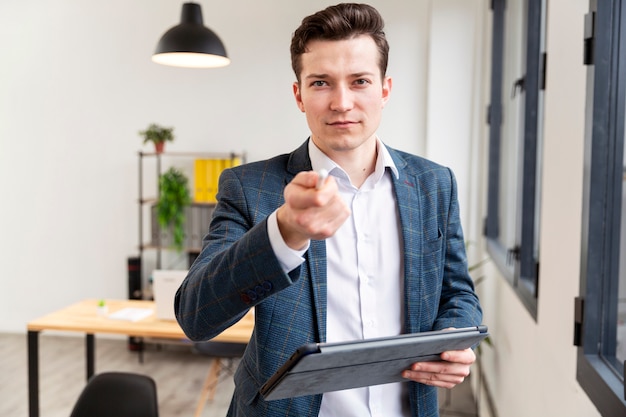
134, 278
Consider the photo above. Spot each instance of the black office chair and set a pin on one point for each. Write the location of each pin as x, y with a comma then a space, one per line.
219, 351
118, 394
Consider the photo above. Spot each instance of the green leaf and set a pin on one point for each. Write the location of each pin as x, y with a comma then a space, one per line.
174, 197
155, 133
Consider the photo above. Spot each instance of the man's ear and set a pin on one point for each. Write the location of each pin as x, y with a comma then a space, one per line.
386, 93
298, 96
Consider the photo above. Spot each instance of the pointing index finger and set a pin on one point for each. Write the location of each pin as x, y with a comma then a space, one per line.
321, 178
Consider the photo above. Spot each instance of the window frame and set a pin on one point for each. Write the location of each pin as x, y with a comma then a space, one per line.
519, 264
602, 194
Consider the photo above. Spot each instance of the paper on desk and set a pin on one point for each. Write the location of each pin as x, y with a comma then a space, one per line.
131, 314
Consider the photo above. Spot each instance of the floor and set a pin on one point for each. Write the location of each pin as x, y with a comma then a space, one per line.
178, 373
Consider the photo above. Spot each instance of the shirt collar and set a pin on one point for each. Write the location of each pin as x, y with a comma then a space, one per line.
319, 160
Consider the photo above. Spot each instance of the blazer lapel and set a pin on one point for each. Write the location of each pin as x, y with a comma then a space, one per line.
408, 197
299, 160
317, 263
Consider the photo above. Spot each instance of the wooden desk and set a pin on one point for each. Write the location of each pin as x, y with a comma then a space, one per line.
83, 317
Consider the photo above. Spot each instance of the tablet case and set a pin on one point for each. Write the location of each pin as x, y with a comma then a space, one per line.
321, 367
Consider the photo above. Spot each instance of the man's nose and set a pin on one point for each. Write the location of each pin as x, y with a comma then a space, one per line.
342, 99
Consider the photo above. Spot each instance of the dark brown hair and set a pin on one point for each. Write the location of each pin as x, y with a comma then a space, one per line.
343, 21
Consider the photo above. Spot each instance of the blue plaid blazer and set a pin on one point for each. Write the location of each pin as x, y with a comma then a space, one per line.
237, 270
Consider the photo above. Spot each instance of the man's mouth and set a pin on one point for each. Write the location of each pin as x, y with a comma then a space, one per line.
342, 123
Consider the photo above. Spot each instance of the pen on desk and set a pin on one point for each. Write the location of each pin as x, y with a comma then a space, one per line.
321, 178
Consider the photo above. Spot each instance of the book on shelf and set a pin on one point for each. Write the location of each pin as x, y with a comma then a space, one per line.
197, 220
206, 176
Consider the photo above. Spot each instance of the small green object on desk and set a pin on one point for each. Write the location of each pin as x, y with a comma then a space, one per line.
102, 308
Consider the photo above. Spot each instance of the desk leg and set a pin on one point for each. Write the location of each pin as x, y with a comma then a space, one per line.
33, 373
89, 355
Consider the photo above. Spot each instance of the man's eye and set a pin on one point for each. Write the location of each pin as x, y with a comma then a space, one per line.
361, 81
318, 83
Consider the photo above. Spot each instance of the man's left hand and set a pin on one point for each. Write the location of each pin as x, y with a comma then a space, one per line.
451, 371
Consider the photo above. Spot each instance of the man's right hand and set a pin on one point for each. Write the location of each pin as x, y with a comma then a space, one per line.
308, 212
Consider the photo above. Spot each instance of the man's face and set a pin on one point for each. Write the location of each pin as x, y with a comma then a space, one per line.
342, 93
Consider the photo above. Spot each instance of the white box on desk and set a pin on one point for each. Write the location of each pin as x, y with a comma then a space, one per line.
165, 283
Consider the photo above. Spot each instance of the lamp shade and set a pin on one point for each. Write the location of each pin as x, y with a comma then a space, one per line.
191, 44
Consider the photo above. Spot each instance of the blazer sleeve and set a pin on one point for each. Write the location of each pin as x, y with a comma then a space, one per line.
236, 268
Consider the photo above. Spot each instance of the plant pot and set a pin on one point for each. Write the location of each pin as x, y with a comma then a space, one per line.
159, 147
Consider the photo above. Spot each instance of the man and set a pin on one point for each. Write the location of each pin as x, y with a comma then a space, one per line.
374, 250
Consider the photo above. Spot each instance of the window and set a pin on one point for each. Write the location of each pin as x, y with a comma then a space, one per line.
601, 309
515, 119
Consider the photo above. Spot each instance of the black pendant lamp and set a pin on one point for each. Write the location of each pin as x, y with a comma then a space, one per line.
191, 44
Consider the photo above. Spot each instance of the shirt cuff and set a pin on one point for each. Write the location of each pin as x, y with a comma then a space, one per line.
288, 258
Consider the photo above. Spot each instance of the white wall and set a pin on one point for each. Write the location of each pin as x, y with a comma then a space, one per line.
532, 368
457, 100
77, 84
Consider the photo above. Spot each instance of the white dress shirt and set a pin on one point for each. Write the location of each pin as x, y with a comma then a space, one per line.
365, 279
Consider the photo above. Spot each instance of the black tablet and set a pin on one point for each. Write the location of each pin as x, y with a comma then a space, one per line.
322, 367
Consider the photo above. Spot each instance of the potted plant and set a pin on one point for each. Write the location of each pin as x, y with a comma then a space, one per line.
170, 208
157, 135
